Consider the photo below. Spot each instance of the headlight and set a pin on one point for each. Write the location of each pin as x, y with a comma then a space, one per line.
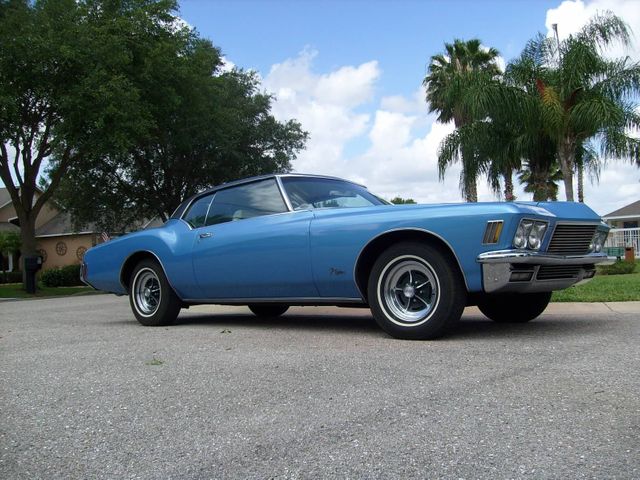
598, 241
536, 235
530, 234
520, 239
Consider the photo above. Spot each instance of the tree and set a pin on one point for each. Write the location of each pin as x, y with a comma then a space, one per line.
586, 96
65, 95
402, 201
216, 128
450, 75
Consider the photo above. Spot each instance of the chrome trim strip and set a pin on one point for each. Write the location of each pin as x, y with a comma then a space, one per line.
412, 229
161, 266
290, 300
284, 193
537, 258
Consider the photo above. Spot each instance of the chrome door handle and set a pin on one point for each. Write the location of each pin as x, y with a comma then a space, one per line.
206, 235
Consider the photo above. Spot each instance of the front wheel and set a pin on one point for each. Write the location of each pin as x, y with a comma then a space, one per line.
153, 301
415, 291
514, 307
268, 310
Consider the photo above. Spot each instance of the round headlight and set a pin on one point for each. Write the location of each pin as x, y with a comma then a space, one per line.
534, 239
536, 235
519, 240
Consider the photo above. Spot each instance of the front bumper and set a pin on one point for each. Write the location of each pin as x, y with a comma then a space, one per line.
527, 271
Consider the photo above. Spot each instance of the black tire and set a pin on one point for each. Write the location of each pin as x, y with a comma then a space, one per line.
514, 307
415, 291
151, 307
267, 310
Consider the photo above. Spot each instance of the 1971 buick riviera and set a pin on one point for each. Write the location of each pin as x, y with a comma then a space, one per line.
279, 240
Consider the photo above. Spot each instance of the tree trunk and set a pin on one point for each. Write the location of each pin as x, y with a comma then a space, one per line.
580, 183
508, 186
566, 155
28, 237
471, 191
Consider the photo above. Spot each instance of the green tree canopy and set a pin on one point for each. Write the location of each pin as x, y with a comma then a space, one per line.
402, 201
65, 93
587, 102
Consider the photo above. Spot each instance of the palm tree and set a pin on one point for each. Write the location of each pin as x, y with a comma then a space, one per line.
543, 184
585, 96
447, 82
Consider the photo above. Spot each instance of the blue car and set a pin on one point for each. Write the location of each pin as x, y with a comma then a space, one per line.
274, 241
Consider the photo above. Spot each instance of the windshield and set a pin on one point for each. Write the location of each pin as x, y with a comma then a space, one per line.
310, 192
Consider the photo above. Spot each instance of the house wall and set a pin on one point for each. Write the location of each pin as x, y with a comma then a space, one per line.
72, 244
621, 223
46, 213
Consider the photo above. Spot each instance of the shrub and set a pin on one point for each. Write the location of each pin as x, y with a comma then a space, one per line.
620, 267
68, 276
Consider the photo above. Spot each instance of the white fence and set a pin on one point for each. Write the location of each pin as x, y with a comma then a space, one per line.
624, 237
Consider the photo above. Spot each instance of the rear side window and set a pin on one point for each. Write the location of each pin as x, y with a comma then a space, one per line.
246, 201
196, 216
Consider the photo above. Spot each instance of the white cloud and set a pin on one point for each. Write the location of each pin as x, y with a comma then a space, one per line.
397, 139
572, 15
415, 104
326, 105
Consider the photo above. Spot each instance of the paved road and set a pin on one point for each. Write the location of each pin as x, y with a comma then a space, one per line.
85, 392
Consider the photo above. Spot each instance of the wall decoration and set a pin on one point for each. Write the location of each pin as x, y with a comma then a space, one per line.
43, 254
80, 252
61, 248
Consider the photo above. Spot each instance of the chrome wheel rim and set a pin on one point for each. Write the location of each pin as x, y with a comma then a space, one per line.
147, 292
410, 290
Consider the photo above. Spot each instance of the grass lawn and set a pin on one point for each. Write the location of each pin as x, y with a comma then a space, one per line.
14, 290
603, 288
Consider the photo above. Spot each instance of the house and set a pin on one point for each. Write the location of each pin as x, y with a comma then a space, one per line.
625, 229
625, 217
58, 242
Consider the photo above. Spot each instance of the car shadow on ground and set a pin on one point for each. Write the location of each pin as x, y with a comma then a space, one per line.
294, 321
470, 326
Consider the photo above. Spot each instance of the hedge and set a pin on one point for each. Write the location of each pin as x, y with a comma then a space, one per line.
620, 267
10, 277
68, 276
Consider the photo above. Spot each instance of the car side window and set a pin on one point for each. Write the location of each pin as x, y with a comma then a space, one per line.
197, 214
246, 201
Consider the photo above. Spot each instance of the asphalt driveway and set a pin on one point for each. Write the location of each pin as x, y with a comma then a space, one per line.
85, 392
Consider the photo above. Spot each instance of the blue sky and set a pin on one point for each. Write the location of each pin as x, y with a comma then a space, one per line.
351, 71
401, 35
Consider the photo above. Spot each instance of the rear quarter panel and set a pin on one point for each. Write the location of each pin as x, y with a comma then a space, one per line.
170, 244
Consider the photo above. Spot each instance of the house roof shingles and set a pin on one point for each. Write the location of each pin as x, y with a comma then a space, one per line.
631, 210
61, 224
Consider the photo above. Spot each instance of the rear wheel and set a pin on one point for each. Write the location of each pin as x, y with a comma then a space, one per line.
514, 307
268, 310
415, 292
153, 301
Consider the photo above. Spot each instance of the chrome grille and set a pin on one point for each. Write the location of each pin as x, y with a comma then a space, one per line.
552, 272
571, 239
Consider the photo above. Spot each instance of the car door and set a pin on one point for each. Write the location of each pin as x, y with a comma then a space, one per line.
251, 247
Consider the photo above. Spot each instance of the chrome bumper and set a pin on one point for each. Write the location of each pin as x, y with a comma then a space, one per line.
525, 271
